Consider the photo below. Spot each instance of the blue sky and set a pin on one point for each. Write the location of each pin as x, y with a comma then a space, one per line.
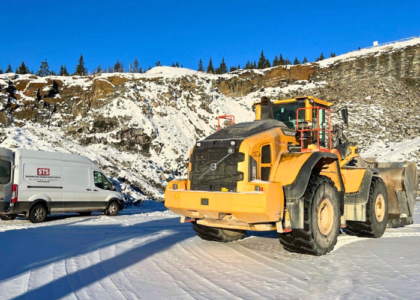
185, 31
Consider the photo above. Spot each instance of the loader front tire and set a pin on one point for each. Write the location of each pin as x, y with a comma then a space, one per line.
321, 220
218, 234
376, 213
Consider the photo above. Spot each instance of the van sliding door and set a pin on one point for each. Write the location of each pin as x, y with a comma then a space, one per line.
6, 178
77, 191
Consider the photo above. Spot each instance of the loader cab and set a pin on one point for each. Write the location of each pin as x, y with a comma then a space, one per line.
308, 116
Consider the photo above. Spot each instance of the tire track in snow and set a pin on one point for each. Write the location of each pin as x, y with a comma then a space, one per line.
266, 265
217, 261
203, 279
174, 279
224, 265
108, 278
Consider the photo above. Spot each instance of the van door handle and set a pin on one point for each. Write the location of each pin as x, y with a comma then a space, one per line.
88, 190
95, 190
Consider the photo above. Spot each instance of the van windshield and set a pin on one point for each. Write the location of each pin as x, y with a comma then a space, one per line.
5, 171
287, 113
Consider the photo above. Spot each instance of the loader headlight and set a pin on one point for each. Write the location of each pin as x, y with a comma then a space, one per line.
198, 145
232, 143
231, 150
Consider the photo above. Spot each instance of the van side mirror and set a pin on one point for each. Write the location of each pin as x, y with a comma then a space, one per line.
345, 116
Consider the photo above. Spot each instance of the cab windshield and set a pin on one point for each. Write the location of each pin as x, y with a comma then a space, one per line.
286, 113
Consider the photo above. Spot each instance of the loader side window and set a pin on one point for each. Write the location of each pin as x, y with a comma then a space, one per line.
265, 162
265, 154
5, 171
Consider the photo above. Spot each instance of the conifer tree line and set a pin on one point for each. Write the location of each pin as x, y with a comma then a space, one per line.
134, 67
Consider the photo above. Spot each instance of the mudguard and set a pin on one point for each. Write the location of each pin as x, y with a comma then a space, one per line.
299, 167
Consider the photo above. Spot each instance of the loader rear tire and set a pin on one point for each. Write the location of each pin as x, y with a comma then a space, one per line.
376, 213
218, 234
321, 220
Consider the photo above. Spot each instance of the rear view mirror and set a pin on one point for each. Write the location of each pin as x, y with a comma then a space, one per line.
345, 116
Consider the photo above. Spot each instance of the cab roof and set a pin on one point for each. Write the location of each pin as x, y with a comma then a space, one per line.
303, 98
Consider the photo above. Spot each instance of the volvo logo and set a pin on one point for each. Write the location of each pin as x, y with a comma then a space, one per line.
213, 167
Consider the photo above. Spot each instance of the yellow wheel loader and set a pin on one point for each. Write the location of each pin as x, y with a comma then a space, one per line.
290, 171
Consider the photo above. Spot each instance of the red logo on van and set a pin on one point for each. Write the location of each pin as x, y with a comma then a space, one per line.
43, 171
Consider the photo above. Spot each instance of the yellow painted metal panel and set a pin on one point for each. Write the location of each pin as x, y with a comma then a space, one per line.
290, 166
250, 207
353, 179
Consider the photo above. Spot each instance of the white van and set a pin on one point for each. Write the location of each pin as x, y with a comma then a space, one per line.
36, 183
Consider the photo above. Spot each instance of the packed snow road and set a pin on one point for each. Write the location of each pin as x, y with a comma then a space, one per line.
147, 254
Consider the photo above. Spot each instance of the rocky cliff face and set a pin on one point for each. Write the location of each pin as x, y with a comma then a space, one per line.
139, 127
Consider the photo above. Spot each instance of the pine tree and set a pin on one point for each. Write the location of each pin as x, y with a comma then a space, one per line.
231, 69
261, 61
287, 62
210, 68
136, 68
200, 66
333, 54
296, 62
173, 65
53, 72
267, 64
158, 63
118, 67
1, 70
304, 61
44, 69
275, 61
149, 68
281, 60
177, 65
321, 57
223, 68
23, 69
9, 69
99, 69
182, 66
80, 68
254, 66
239, 67
65, 72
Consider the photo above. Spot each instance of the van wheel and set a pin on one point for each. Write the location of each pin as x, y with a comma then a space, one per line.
113, 209
85, 213
38, 213
8, 217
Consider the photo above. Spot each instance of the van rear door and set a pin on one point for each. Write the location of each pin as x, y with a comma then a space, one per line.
6, 178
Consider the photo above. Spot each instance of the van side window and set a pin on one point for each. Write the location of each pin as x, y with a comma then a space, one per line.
265, 162
5, 171
101, 181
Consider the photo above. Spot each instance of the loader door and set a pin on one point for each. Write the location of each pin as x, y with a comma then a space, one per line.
265, 163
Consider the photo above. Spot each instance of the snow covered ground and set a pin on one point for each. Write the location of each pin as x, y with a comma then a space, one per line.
145, 253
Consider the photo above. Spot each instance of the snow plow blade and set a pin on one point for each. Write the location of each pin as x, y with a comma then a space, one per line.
401, 184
